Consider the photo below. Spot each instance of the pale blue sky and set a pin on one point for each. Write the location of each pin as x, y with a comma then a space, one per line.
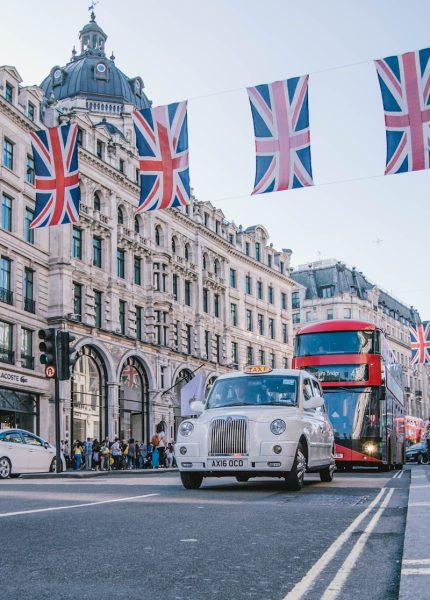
196, 48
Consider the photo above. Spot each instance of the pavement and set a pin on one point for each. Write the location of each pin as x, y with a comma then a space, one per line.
84, 474
415, 573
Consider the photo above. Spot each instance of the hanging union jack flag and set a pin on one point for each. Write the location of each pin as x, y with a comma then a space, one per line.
282, 139
405, 89
162, 144
55, 154
420, 343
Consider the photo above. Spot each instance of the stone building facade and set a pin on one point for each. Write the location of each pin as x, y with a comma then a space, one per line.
151, 298
329, 289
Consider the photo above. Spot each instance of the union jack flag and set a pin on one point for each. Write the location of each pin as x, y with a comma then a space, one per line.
58, 195
130, 377
162, 144
282, 138
405, 89
420, 343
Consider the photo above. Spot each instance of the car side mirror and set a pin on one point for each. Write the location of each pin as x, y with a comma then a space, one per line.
46, 445
197, 407
314, 402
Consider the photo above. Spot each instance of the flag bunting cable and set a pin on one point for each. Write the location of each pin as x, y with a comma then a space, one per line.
181, 380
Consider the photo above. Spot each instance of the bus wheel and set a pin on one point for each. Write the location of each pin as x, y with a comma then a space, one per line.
294, 480
327, 473
191, 481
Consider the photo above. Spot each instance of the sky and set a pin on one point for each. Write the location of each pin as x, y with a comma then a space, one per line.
209, 52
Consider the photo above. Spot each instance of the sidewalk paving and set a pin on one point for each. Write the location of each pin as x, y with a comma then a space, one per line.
83, 474
415, 574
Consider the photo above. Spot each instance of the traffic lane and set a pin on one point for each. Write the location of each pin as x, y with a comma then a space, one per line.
242, 549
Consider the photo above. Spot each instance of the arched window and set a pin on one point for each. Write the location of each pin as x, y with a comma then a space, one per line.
136, 225
89, 395
217, 267
158, 235
97, 201
134, 402
120, 216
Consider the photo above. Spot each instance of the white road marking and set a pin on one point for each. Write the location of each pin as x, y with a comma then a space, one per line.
417, 561
422, 571
418, 504
420, 486
52, 508
190, 540
341, 576
397, 475
300, 589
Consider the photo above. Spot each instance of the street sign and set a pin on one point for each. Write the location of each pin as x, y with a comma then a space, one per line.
50, 372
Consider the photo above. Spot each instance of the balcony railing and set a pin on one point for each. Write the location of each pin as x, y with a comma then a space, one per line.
27, 361
6, 296
30, 305
7, 355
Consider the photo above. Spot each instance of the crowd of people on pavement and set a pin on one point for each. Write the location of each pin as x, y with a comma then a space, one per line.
107, 455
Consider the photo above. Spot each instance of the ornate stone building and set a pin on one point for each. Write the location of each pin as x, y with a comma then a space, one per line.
329, 289
150, 298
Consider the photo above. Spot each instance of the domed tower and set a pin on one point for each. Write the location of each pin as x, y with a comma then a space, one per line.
91, 80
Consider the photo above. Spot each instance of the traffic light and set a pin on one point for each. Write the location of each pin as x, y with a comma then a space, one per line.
47, 348
65, 354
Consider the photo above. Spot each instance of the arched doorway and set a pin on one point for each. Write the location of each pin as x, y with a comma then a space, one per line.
182, 378
134, 401
89, 396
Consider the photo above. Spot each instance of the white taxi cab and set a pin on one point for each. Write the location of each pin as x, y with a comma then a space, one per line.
24, 452
261, 422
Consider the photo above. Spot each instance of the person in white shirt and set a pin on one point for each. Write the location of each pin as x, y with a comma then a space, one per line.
161, 446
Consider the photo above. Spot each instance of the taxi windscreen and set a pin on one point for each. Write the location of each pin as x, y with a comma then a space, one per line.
254, 390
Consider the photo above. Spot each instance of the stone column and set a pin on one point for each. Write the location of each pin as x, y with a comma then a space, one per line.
113, 410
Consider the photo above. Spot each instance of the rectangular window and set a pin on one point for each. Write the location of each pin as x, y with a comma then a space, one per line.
232, 278
28, 233
272, 328
257, 251
6, 343
249, 355
295, 300
175, 287
282, 267
248, 284
327, 291
122, 314
77, 300
285, 333
207, 344
137, 175
206, 220
218, 348
30, 174
6, 295
247, 248
260, 319
8, 92
248, 318
234, 354
176, 340
283, 301
347, 313
97, 252
261, 357
284, 362
270, 294
296, 317
233, 314
308, 316
121, 165
329, 314
231, 238
6, 213
138, 323
29, 302
188, 293
27, 358
31, 111
269, 260
189, 339
80, 137
217, 310
120, 263
205, 300
273, 361
77, 243
98, 307
217, 227
8, 153
100, 149
260, 290
137, 270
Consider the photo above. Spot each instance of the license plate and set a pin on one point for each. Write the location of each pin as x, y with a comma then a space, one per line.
338, 455
227, 463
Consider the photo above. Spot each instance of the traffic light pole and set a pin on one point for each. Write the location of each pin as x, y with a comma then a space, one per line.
58, 462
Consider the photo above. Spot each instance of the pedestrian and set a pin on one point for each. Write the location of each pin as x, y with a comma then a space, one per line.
65, 450
96, 455
170, 457
142, 454
88, 453
426, 437
155, 458
78, 455
105, 456
161, 445
131, 454
116, 453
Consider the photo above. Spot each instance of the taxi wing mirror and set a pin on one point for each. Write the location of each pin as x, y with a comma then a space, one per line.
197, 407
314, 402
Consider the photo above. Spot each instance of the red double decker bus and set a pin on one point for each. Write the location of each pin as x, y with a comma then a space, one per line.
363, 389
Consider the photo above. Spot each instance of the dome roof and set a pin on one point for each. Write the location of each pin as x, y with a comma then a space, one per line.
91, 75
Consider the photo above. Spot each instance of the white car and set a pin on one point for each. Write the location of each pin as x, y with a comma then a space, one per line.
258, 423
25, 452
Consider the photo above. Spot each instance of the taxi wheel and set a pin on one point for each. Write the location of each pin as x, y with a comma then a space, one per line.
191, 481
5, 467
242, 478
420, 459
294, 480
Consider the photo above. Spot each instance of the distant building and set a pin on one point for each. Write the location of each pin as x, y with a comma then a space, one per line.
328, 289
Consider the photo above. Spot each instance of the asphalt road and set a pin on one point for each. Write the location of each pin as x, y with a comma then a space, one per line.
145, 537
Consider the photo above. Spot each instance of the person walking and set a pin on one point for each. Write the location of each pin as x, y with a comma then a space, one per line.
88, 453
96, 455
170, 457
116, 453
105, 456
78, 456
161, 445
131, 455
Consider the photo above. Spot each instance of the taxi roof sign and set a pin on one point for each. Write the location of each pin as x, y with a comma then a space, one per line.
254, 369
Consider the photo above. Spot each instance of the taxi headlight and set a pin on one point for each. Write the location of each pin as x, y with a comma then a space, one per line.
186, 428
277, 426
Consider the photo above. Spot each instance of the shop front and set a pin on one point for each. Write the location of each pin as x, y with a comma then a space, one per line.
19, 402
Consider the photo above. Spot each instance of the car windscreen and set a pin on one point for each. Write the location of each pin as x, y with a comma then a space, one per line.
254, 390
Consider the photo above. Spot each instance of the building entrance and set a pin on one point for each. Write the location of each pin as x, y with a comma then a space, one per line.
18, 409
133, 402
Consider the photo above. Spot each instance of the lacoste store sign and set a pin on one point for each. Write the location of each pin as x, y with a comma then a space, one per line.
16, 379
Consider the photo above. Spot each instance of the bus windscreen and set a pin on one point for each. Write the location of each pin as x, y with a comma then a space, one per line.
335, 342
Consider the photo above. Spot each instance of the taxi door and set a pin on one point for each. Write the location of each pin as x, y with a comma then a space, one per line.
315, 425
324, 426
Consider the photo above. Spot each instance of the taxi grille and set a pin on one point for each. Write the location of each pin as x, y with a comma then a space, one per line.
228, 436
